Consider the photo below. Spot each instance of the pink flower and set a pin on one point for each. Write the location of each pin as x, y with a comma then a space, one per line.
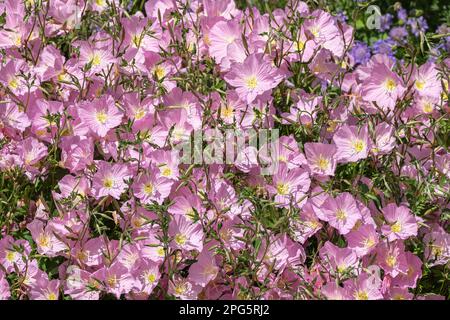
426, 81
401, 223
414, 272
391, 257
5, 294
31, 151
321, 158
183, 289
98, 58
221, 35
363, 288
352, 143
383, 87
306, 225
115, 279
109, 180
253, 77
46, 240
205, 269
340, 260
363, 240
152, 187
100, 115
290, 186
187, 235
384, 140
147, 276
45, 289
341, 212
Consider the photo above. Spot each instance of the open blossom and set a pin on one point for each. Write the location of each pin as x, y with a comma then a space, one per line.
426, 81
401, 224
152, 187
321, 158
363, 288
352, 143
47, 242
253, 77
100, 115
391, 257
341, 212
340, 260
383, 87
109, 180
363, 240
187, 235
289, 186
205, 269
32, 151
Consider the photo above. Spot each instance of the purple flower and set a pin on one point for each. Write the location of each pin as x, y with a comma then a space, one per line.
398, 33
360, 53
402, 14
386, 22
384, 47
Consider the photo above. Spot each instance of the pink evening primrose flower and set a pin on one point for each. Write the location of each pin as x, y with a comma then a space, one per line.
401, 224
152, 187
109, 180
352, 143
341, 212
321, 158
187, 235
100, 115
253, 77
384, 87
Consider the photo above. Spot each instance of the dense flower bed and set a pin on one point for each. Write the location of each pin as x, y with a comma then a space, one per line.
99, 198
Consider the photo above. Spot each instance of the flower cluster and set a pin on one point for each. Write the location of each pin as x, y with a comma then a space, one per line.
97, 200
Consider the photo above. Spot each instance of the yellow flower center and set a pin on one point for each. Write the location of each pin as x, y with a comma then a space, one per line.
300, 45
251, 82
13, 83
358, 145
52, 296
390, 85
315, 31
10, 255
180, 239
136, 40
96, 59
112, 280
369, 242
166, 171
139, 114
391, 261
227, 112
180, 289
151, 277
361, 295
148, 188
159, 72
428, 107
161, 252
341, 214
43, 240
108, 183
102, 117
323, 163
420, 84
282, 188
396, 227
437, 251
